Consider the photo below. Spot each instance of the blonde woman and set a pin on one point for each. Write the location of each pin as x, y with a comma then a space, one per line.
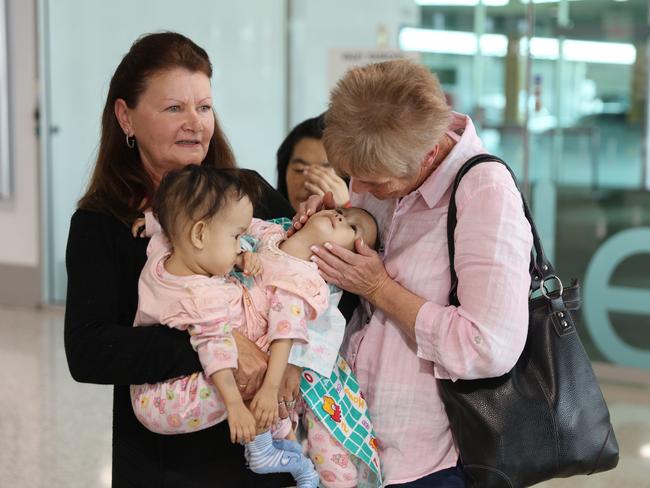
390, 129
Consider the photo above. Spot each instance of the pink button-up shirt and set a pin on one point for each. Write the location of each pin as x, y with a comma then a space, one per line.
481, 338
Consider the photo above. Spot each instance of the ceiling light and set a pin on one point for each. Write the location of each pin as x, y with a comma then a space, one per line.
645, 451
462, 3
465, 43
545, 1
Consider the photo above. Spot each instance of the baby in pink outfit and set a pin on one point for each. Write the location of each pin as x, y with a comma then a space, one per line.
203, 212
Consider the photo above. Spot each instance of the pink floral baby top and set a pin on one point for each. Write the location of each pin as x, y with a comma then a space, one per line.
288, 292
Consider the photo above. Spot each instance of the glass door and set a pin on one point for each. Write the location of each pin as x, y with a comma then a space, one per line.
559, 90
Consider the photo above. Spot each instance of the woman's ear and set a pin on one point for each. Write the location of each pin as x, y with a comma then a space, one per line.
431, 157
123, 116
198, 234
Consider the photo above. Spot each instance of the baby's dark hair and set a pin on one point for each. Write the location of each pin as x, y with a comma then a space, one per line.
198, 193
377, 244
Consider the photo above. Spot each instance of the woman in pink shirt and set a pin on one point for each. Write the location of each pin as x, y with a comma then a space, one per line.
389, 127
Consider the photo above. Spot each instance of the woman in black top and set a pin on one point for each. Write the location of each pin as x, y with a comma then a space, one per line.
158, 116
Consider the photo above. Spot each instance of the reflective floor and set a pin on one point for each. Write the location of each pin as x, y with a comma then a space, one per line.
55, 433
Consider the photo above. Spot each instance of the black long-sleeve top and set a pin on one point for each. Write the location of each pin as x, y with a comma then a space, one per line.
104, 263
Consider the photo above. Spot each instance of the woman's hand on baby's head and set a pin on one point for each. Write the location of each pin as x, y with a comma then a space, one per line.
138, 228
309, 207
250, 263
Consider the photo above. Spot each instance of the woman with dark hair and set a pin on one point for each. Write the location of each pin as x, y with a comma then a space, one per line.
158, 117
303, 167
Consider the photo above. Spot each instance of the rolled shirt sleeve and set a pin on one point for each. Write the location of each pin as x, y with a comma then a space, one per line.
484, 336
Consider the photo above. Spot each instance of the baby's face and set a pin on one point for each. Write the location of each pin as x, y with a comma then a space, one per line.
342, 226
222, 236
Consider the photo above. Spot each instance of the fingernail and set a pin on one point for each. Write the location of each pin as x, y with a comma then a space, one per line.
303, 219
314, 249
328, 246
313, 258
363, 243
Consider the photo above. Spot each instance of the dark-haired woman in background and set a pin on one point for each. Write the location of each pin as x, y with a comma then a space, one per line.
303, 167
158, 116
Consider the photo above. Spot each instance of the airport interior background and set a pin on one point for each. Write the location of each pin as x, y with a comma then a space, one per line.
557, 88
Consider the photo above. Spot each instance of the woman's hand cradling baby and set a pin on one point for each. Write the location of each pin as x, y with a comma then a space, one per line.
138, 227
251, 365
362, 273
289, 389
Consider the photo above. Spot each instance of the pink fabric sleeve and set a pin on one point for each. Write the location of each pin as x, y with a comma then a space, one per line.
485, 335
287, 316
158, 244
151, 224
207, 320
215, 345
259, 228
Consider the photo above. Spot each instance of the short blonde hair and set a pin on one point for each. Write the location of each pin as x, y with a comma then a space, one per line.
384, 119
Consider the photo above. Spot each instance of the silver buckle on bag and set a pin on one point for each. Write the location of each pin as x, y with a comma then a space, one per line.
544, 290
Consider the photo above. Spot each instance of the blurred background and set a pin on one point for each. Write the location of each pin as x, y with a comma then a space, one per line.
559, 89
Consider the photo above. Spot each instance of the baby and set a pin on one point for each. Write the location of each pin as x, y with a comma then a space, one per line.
203, 212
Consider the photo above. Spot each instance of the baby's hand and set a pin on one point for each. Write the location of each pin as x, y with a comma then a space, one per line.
250, 263
241, 423
138, 228
265, 407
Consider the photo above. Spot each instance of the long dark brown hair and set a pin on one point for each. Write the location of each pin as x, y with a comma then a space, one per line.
120, 186
310, 128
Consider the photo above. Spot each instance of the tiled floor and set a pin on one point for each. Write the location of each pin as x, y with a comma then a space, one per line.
55, 433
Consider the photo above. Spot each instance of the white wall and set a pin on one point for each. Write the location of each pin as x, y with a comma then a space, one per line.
88, 38
19, 221
319, 26
247, 44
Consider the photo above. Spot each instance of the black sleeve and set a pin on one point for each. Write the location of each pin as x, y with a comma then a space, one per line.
272, 203
103, 264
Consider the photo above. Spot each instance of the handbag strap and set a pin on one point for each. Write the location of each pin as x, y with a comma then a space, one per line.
540, 268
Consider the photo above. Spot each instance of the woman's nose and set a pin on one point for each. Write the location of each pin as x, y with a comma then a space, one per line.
357, 186
193, 122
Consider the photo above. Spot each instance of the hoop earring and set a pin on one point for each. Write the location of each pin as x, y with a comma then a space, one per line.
130, 141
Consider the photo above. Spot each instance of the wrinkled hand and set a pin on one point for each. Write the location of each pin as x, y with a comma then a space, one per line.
250, 263
362, 273
251, 366
241, 423
289, 389
322, 179
265, 407
309, 207
138, 228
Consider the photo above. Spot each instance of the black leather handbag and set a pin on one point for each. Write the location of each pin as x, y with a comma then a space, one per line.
546, 418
